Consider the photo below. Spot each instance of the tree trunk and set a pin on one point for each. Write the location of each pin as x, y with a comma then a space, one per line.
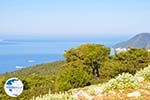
97, 71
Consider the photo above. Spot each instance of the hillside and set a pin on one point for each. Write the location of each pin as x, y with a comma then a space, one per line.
37, 80
122, 87
40, 70
138, 41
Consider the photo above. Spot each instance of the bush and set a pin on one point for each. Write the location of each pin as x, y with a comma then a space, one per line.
133, 60
124, 62
72, 76
110, 69
145, 73
122, 81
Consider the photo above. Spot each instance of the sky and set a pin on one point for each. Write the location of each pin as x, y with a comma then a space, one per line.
73, 19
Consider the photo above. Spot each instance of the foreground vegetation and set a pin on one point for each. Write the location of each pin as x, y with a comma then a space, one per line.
86, 65
121, 87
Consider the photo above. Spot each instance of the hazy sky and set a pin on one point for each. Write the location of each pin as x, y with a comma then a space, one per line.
74, 18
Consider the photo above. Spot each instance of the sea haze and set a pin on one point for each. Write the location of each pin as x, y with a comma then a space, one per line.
15, 55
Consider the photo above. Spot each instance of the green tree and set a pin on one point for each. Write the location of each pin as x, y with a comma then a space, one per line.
91, 55
82, 65
133, 60
73, 75
110, 69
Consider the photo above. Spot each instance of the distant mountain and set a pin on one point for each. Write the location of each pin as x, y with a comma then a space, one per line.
138, 41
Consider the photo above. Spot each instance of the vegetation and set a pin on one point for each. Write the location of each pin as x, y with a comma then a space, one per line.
82, 65
130, 61
42, 70
90, 55
85, 65
91, 64
73, 75
133, 60
125, 80
37, 80
144, 73
60, 96
117, 88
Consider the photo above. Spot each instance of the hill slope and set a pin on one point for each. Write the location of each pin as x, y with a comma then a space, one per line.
40, 70
122, 87
138, 41
37, 80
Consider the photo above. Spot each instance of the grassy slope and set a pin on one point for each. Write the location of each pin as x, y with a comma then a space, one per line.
41, 70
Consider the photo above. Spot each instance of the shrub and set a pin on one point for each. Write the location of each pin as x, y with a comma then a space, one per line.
124, 62
133, 60
122, 81
110, 69
145, 73
73, 75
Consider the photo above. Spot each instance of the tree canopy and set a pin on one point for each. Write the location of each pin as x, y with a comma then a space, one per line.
91, 55
134, 59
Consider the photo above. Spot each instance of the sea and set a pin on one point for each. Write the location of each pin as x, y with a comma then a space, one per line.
16, 55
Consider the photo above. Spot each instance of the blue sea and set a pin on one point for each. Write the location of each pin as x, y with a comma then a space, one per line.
15, 55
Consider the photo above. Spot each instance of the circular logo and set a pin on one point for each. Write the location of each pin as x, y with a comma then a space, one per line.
13, 87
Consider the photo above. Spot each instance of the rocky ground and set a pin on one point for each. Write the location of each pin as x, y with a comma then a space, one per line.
97, 93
